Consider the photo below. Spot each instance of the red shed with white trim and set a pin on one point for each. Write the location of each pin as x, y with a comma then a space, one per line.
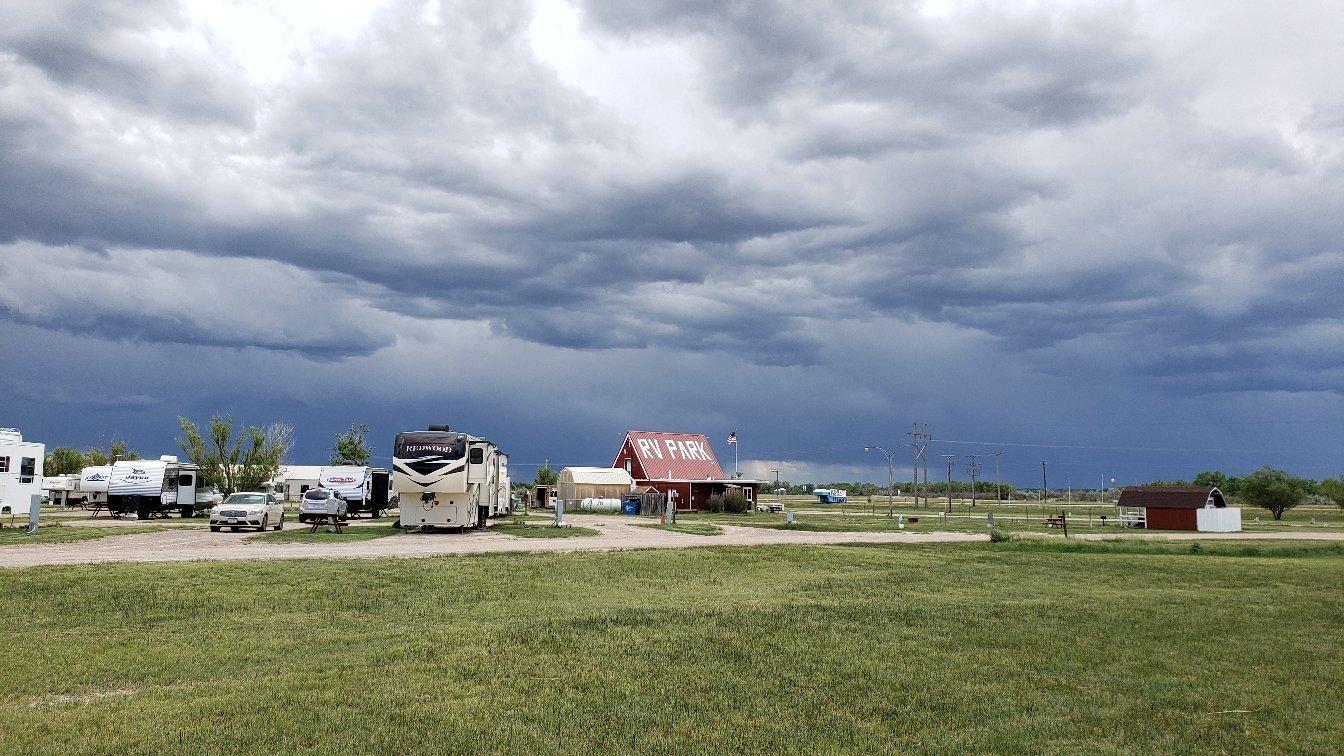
681, 464
1179, 508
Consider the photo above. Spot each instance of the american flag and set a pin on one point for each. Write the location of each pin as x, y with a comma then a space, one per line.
732, 438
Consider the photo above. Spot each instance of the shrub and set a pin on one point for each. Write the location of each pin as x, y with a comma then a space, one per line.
998, 536
735, 503
1196, 548
715, 504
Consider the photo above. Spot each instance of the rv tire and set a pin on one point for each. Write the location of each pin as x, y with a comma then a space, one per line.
187, 512
482, 514
142, 511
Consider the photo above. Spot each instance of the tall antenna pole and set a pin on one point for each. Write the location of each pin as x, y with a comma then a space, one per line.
951, 460
998, 482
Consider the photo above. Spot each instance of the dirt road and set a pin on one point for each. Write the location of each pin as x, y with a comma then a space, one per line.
617, 533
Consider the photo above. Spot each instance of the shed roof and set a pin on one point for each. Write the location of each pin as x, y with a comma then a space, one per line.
1171, 497
603, 476
672, 456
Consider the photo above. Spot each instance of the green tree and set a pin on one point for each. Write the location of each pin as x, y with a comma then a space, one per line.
118, 451
1273, 489
63, 460
95, 457
545, 477
244, 462
352, 447
1333, 489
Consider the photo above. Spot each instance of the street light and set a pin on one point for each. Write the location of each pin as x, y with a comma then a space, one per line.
891, 479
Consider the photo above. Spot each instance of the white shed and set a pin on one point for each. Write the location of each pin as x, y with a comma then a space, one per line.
578, 483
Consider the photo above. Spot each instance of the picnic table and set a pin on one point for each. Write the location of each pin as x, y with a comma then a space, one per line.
1055, 521
333, 522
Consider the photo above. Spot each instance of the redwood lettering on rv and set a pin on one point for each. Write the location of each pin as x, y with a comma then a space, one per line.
689, 450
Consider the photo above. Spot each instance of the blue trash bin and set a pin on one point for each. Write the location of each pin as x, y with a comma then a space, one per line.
630, 507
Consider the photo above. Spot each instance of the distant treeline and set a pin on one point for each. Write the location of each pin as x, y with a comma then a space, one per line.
934, 488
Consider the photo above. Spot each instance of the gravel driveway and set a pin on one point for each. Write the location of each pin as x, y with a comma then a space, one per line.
617, 533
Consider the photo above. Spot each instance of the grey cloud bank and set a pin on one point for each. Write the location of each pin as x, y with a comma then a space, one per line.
1083, 223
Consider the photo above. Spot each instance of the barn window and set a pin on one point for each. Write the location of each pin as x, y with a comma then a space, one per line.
627, 464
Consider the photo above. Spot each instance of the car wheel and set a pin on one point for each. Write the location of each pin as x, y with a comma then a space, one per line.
265, 523
280, 525
214, 528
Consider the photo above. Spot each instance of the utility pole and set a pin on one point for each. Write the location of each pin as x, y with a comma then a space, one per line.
973, 466
998, 482
891, 480
776, 471
919, 449
951, 460
1044, 485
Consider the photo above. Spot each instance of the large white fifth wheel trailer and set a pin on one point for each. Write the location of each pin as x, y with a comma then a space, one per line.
444, 478
20, 474
150, 487
364, 489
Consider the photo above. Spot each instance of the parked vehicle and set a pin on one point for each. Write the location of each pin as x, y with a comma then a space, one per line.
150, 487
248, 510
20, 473
830, 495
364, 489
448, 479
322, 502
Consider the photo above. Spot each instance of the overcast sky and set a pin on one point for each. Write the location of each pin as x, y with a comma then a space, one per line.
1105, 235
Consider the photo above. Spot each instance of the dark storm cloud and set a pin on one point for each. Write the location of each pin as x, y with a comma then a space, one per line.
1041, 177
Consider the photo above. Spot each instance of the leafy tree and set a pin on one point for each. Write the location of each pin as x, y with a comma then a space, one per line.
1273, 489
546, 477
1333, 489
351, 447
63, 460
244, 462
95, 457
118, 451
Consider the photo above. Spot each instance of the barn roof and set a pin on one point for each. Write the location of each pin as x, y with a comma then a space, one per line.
673, 456
1171, 497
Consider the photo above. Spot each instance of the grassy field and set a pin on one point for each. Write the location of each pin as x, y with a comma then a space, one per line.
296, 533
541, 530
56, 533
1022, 646
688, 528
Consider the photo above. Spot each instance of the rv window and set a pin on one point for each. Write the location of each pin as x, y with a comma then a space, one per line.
27, 469
186, 480
4, 464
477, 455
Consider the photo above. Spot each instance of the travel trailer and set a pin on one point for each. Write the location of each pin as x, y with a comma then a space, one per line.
93, 484
20, 474
150, 487
61, 490
444, 478
364, 489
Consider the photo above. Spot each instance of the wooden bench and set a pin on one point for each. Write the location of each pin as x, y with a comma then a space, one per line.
1054, 522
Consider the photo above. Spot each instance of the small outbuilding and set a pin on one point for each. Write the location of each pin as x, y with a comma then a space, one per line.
1200, 508
578, 483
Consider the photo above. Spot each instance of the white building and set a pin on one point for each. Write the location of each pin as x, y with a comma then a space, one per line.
20, 473
294, 480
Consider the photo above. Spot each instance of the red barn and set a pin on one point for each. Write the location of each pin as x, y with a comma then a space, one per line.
1171, 507
679, 464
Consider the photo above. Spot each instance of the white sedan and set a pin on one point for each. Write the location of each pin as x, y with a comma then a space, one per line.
248, 510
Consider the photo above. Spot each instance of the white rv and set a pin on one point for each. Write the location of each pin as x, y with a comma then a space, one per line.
448, 479
20, 473
364, 489
93, 484
149, 487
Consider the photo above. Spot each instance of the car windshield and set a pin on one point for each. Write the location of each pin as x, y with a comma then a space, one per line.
317, 495
246, 498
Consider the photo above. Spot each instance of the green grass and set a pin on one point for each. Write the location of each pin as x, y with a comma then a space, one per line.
689, 528
296, 533
1023, 646
542, 531
57, 533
